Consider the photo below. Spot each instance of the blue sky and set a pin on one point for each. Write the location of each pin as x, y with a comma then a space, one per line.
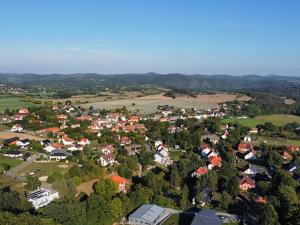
119, 36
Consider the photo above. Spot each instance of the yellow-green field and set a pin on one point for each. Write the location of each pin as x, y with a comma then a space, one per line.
12, 103
276, 119
148, 104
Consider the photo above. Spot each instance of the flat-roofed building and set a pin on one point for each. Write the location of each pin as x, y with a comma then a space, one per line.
41, 197
147, 214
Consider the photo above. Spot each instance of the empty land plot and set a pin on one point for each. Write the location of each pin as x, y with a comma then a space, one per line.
8, 134
276, 119
148, 104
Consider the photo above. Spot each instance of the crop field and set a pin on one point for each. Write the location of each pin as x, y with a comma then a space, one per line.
12, 103
276, 119
148, 104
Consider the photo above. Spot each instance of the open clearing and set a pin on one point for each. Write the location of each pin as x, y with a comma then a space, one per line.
148, 104
277, 141
276, 119
45, 168
86, 187
8, 161
8, 134
12, 103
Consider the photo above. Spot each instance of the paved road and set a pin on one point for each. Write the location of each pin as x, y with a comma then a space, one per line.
19, 168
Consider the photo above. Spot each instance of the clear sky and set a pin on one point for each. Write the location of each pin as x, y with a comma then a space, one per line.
119, 36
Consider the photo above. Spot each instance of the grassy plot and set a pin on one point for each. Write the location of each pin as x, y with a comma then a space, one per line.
47, 168
277, 141
276, 119
8, 162
179, 219
12, 103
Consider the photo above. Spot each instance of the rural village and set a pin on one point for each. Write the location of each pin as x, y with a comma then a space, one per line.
195, 165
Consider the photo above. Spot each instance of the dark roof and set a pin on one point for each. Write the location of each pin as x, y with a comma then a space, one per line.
207, 217
13, 152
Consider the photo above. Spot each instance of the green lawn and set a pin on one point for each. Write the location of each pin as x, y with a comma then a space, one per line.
8, 161
11, 102
276, 119
44, 169
179, 219
277, 141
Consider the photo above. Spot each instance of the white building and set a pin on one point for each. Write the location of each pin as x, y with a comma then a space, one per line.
41, 197
148, 214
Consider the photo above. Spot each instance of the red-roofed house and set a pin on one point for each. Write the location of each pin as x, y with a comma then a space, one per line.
200, 171
215, 161
66, 140
134, 119
244, 147
293, 148
84, 141
120, 182
246, 183
106, 159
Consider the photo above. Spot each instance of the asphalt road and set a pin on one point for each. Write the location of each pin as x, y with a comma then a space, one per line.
19, 168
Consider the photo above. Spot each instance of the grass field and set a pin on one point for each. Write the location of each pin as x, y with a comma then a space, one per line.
10, 102
277, 141
276, 119
148, 104
8, 161
179, 219
44, 169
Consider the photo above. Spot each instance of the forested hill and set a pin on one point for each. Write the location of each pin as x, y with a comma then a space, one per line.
178, 81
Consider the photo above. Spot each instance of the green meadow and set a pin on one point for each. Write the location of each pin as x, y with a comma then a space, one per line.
276, 119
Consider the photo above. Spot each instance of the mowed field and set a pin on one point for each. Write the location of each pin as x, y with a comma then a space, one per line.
12, 103
276, 119
148, 104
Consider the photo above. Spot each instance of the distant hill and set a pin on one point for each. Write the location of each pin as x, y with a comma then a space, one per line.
178, 81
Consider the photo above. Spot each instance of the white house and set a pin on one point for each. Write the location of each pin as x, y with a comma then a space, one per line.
41, 197
250, 155
23, 143
84, 141
13, 154
107, 159
247, 139
16, 128
67, 141
59, 154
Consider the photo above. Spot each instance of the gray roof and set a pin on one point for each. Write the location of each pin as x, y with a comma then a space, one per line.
148, 212
207, 217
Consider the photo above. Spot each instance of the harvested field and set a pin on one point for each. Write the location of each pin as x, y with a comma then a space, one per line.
148, 104
7, 134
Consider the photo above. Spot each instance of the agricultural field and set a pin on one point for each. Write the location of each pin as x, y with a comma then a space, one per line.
276, 119
7, 134
12, 103
148, 104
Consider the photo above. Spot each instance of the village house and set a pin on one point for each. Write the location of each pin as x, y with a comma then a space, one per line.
125, 141
292, 148
132, 149
13, 154
59, 154
247, 139
51, 147
253, 130
17, 128
23, 143
67, 141
134, 119
62, 117
215, 161
120, 182
84, 118
106, 159
250, 155
107, 149
253, 170
24, 112
246, 183
200, 171
42, 197
244, 147
84, 141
